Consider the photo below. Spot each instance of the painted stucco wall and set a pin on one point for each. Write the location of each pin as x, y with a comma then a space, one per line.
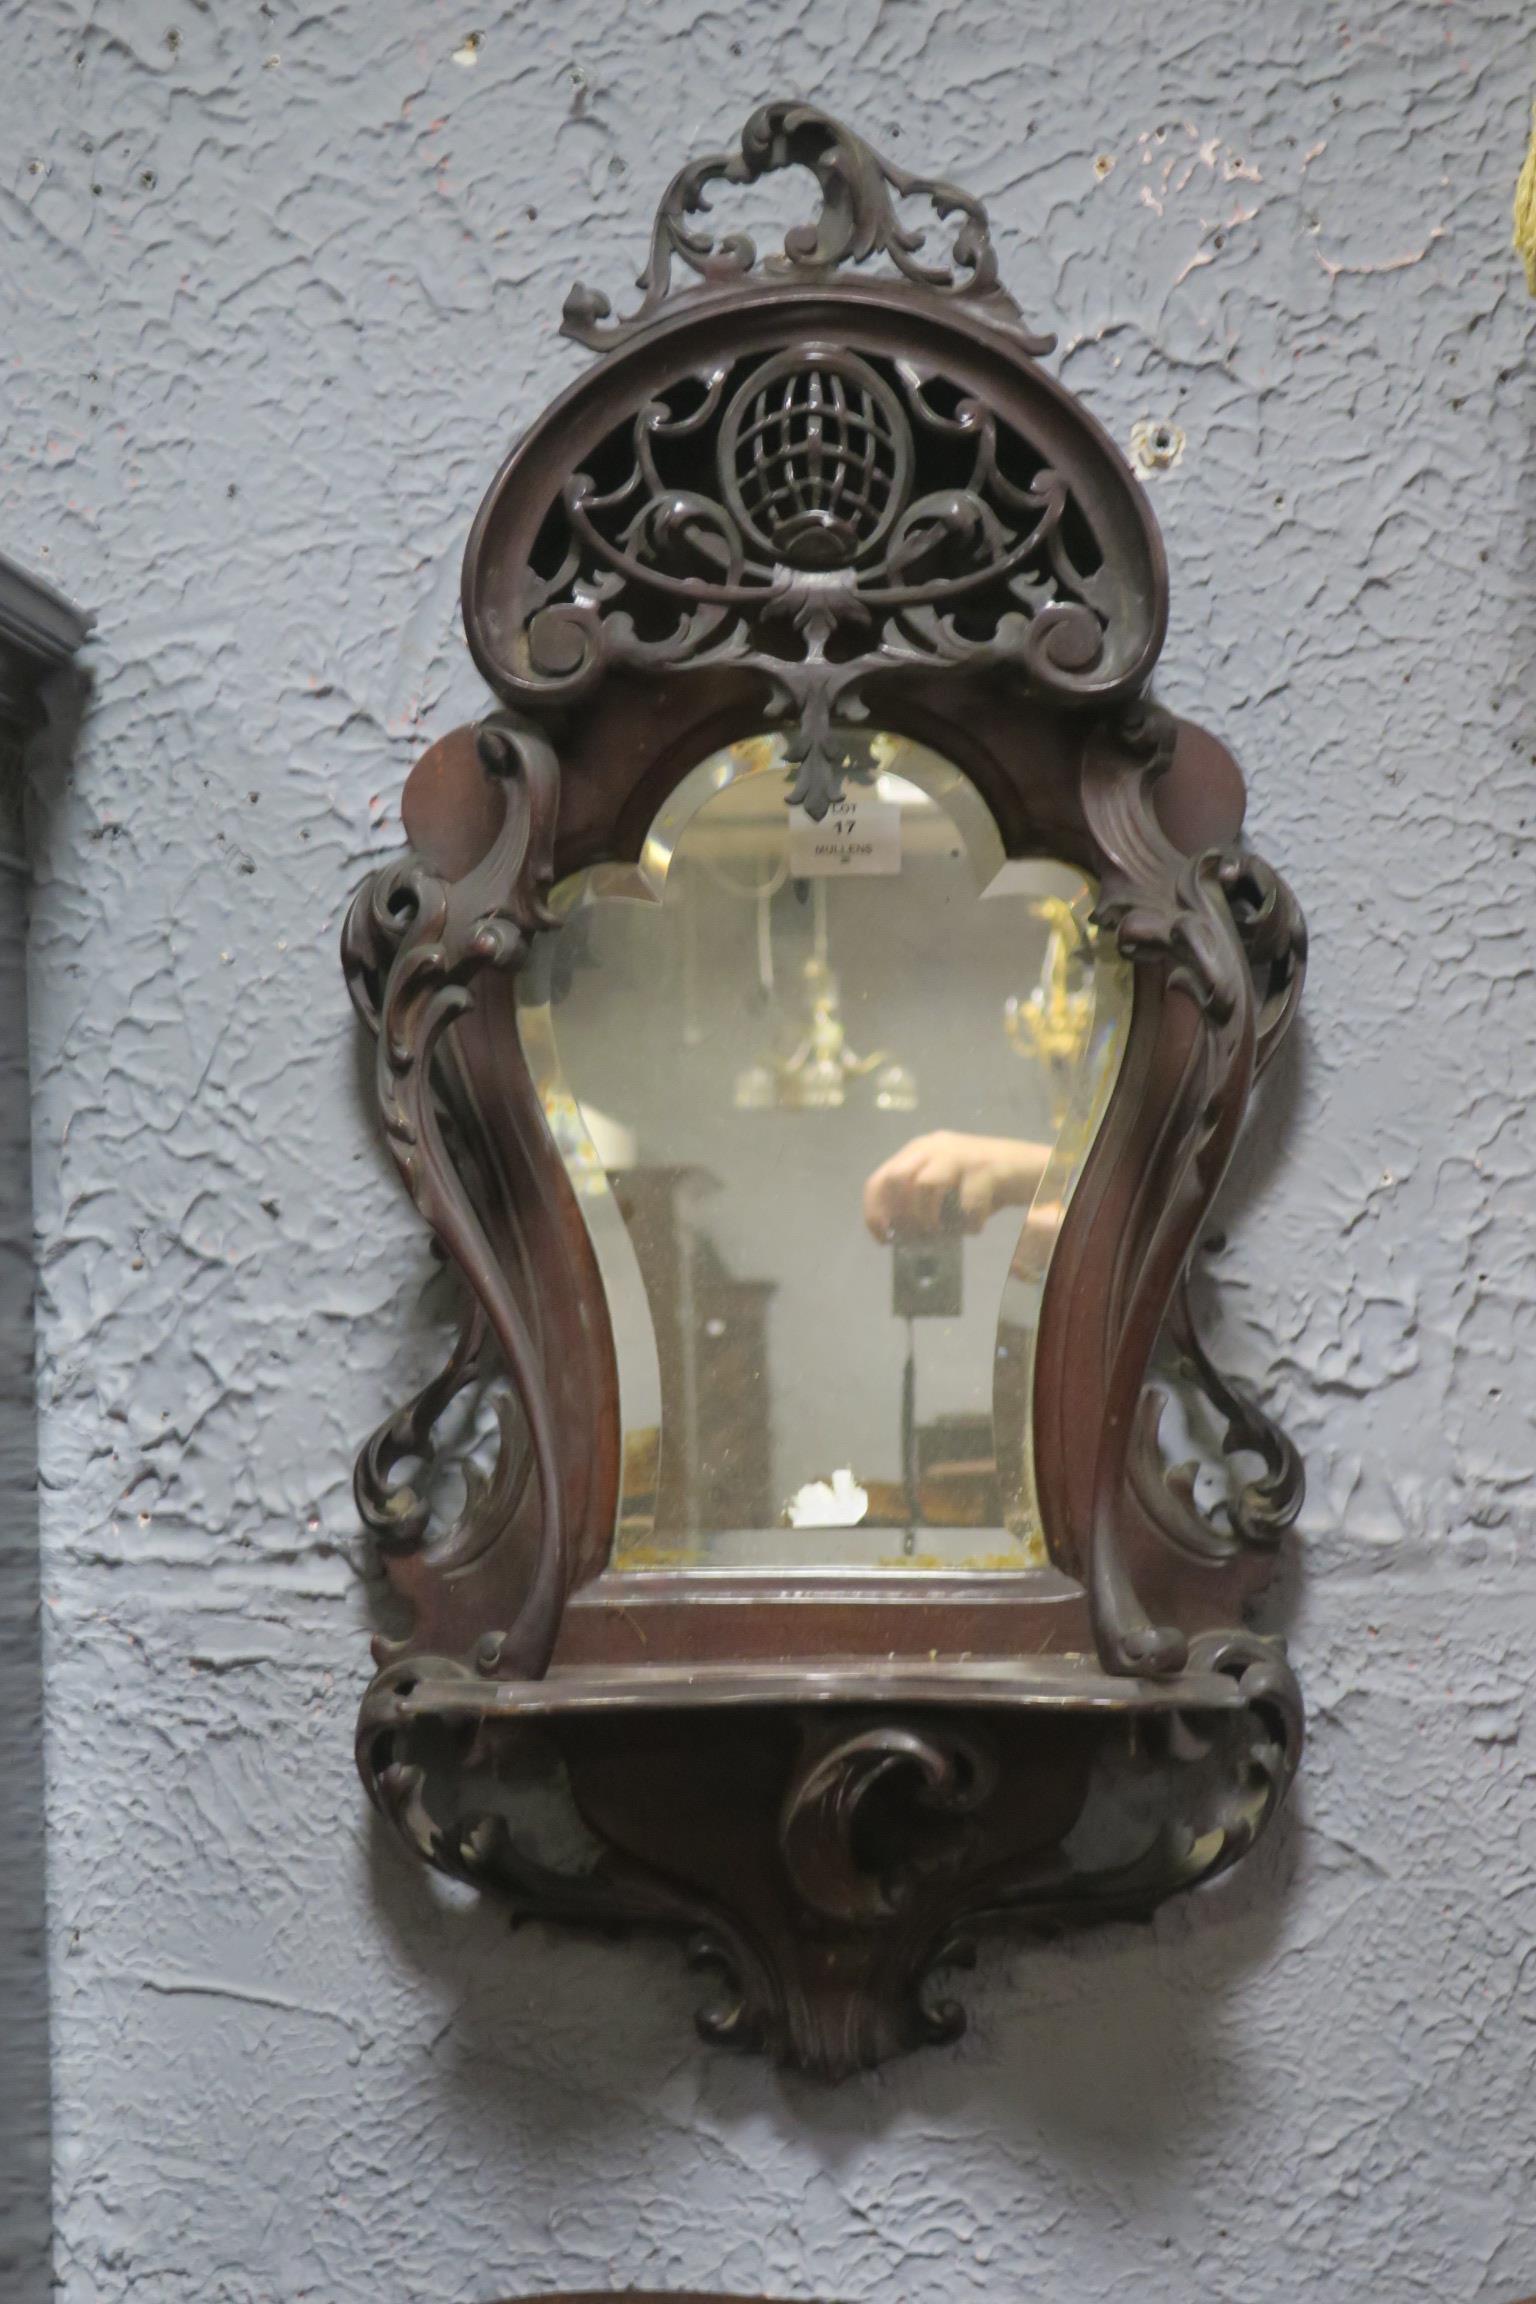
279, 285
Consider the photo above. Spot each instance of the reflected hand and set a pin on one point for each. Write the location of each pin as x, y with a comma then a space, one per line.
946, 1181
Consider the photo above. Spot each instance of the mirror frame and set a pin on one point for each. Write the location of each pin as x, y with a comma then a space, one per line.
886, 1765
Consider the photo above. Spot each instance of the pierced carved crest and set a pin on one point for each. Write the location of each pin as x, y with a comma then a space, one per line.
823, 509
856, 220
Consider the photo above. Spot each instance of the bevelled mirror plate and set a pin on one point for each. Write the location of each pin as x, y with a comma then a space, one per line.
823, 1091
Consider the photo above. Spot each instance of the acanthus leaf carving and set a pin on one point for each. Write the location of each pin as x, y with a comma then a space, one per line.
856, 220
900, 1839
951, 1772
414, 948
815, 517
1209, 924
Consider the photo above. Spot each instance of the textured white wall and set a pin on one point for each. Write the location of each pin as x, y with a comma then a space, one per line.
279, 286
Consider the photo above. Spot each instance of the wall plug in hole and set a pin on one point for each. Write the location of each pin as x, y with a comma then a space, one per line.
467, 52
1156, 445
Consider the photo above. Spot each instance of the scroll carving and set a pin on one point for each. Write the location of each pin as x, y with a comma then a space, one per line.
820, 510
856, 220
952, 1774
1273, 936
415, 948
826, 1958
1207, 923
812, 518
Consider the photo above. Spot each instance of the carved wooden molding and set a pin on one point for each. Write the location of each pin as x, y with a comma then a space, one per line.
832, 489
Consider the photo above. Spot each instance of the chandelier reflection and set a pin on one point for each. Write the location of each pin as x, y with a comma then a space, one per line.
1050, 1025
812, 1073
812, 1062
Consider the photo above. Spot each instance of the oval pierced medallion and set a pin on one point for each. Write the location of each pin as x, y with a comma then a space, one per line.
815, 458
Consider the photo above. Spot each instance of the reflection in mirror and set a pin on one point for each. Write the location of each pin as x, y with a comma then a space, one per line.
823, 1092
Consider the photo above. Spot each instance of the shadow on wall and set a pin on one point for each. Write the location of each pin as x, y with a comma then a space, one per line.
1097, 2044
25, 2104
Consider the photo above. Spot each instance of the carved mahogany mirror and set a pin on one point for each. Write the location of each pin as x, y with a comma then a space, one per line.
815, 1012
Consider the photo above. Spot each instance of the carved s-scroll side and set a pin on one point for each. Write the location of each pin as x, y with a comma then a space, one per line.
1167, 910
415, 949
1227, 938
1273, 935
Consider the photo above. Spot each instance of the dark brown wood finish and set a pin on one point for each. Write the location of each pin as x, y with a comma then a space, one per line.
40, 635
1005, 606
